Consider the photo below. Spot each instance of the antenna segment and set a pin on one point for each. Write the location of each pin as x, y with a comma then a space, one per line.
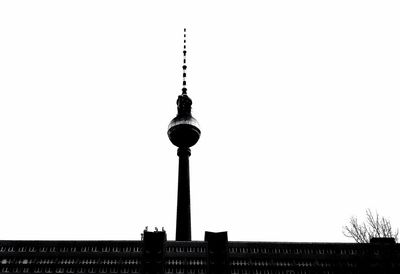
184, 89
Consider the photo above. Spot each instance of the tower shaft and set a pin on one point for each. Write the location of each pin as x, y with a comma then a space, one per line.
183, 221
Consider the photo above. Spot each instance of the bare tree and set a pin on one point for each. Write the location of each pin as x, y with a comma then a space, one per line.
375, 227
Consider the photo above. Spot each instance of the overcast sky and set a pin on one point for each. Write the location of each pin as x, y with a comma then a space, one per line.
298, 103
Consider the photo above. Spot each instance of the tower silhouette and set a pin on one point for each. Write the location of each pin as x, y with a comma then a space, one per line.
183, 132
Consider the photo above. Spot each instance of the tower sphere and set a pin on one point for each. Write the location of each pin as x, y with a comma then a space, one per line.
184, 130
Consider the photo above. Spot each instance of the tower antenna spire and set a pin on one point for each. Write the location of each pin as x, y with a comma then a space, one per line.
184, 67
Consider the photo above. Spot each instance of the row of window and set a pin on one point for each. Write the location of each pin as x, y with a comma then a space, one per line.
186, 262
71, 249
245, 271
69, 270
271, 263
300, 251
186, 249
275, 271
71, 261
169, 270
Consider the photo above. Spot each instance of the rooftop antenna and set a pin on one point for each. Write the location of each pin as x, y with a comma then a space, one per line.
184, 89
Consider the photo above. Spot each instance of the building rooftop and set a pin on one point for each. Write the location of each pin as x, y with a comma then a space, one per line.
156, 255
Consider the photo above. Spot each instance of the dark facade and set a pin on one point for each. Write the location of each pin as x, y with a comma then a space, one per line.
215, 255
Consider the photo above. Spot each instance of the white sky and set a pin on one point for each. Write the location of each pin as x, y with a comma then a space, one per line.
298, 103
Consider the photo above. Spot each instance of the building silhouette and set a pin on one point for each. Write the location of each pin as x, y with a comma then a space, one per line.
215, 255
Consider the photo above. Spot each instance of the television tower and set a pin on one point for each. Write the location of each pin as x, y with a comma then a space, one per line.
183, 132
